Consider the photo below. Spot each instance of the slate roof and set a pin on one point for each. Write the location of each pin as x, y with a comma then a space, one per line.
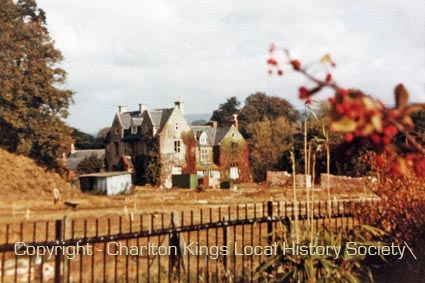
76, 157
158, 116
215, 135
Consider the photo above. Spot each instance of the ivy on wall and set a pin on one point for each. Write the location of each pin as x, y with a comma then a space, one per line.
190, 144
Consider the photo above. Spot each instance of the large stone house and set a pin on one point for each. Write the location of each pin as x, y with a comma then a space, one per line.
161, 143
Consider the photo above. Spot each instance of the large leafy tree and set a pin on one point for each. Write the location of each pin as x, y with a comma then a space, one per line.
31, 103
259, 106
224, 114
269, 141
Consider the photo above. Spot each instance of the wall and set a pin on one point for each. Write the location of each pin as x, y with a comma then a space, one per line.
120, 184
168, 157
343, 183
238, 154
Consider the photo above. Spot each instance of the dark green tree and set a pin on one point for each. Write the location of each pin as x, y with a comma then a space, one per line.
260, 106
224, 114
91, 164
31, 103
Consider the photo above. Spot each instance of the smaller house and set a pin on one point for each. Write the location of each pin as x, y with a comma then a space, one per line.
221, 153
108, 183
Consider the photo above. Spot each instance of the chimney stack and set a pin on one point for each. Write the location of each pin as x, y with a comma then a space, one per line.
180, 105
73, 148
122, 108
142, 107
214, 124
235, 121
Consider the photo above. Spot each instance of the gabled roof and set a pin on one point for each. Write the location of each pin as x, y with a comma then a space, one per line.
221, 132
215, 135
160, 117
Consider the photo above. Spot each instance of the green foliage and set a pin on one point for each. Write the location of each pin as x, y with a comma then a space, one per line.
223, 115
289, 267
32, 106
148, 166
269, 140
91, 164
259, 106
86, 141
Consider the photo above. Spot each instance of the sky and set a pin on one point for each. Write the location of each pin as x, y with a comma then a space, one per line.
153, 52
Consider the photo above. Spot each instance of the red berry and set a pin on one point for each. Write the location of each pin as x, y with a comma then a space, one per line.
328, 77
279, 72
343, 92
308, 101
386, 140
333, 64
390, 131
348, 137
376, 138
272, 61
332, 100
303, 92
339, 109
296, 64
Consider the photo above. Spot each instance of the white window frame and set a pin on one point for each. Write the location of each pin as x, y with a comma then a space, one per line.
134, 130
204, 154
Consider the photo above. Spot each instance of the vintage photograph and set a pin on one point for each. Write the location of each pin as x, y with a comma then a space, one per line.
212, 141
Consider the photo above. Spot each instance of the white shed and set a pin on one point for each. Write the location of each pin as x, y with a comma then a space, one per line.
109, 183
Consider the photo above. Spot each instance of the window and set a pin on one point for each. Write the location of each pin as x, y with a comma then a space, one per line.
134, 130
203, 140
117, 131
234, 145
204, 154
177, 146
233, 134
177, 126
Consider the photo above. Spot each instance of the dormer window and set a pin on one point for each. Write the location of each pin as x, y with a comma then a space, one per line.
233, 134
203, 140
177, 126
134, 130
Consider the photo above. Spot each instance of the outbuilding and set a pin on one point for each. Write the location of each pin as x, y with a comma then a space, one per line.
108, 183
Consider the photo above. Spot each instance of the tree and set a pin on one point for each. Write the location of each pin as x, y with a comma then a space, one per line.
224, 114
259, 106
32, 105
91, 164
268, 143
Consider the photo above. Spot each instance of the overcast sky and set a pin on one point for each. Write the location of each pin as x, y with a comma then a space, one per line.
133, 51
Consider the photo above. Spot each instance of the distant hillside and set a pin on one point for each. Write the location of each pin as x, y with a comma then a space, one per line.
196, 117
22, 179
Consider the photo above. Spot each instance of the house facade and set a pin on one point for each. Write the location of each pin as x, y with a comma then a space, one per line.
161, 143
221, 152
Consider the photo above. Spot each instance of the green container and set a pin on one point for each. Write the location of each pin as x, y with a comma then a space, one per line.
185, 181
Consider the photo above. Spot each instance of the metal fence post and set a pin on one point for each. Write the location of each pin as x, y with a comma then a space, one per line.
269, 222
269, 227
58, 254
